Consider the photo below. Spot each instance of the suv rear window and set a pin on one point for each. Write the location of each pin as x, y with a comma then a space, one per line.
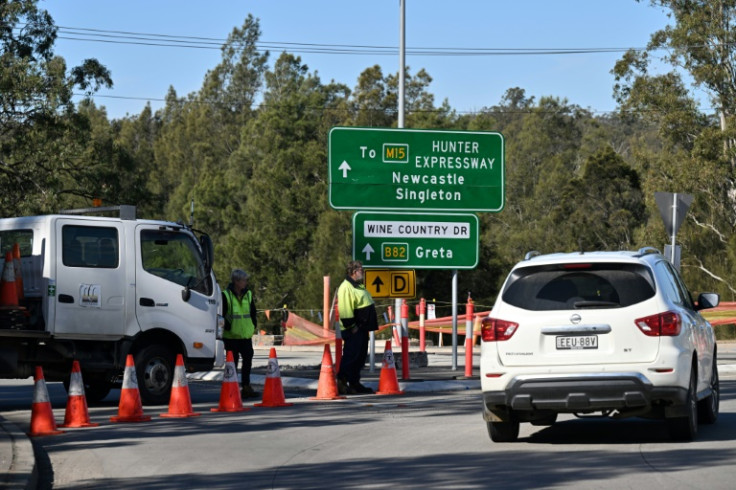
578, 286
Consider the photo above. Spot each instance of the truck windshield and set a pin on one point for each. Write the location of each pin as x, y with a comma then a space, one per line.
174, 256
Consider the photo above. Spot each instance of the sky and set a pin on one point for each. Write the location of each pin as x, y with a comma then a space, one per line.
142, 73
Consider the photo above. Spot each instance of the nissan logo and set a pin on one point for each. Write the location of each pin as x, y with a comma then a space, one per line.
575, 319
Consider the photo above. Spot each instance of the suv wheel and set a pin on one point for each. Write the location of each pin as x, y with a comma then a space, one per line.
503, 431
709, 406
685, 428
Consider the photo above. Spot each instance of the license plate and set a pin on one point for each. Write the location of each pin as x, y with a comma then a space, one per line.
577, 342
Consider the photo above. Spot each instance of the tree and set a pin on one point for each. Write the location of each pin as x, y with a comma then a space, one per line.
42, 137
694, 153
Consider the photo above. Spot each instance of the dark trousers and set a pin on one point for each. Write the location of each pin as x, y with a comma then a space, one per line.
354, 353
241, 348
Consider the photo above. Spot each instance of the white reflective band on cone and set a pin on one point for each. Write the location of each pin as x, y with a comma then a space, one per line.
76, 387
388, 360
180, 378
230, 376
272, 371
130, 380
40, 393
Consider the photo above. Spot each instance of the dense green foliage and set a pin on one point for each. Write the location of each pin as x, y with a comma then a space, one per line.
250, 148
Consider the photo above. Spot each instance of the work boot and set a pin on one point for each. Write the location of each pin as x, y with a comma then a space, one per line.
362, 389
343, 388
248, 392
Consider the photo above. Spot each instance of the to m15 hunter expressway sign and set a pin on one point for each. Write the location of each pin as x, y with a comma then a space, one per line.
416, 240
413, 169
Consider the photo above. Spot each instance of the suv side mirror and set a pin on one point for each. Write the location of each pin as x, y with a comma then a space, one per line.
708, 300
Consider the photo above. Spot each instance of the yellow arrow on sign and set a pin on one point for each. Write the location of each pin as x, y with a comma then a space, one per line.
391, 283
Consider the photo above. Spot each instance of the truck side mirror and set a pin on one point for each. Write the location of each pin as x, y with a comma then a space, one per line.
186, 293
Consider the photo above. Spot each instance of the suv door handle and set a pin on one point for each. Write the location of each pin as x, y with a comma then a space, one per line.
65, 298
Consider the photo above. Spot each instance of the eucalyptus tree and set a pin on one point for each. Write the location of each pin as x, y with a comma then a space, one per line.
201, 132
42, 137
694, 153
283, 152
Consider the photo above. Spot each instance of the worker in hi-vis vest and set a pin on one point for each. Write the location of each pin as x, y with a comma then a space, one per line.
357, 319
239, 310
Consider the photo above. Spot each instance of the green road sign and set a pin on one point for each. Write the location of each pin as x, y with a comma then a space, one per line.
416, 240
414, 169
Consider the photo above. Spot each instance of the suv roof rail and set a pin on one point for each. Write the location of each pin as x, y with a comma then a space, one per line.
648, 250
126, 211
531, 254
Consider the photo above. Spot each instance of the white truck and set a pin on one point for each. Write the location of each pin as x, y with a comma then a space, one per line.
99, 288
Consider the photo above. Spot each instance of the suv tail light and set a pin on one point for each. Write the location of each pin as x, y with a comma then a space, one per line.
667, 324
495, 330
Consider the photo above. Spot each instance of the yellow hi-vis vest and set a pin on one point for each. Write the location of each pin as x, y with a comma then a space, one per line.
349, 299
238, 314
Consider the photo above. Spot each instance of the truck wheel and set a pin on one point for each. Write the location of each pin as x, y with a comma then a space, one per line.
154, 366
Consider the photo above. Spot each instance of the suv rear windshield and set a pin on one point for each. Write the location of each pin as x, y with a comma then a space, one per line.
578, 286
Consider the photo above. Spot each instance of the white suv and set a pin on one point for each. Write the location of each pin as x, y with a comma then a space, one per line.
615, 333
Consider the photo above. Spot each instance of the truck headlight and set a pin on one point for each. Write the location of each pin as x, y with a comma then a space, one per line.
220, 326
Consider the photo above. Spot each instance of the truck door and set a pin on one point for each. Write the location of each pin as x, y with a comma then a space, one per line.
168, 263
90, 281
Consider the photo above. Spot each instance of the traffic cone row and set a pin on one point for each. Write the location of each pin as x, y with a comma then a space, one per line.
130, 408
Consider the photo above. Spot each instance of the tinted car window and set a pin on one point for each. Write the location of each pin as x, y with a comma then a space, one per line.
578, 286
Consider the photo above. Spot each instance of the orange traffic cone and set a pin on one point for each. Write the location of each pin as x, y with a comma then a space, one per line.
8, 289
18, 270
76, 414
388, 383
42, 417
327, 387
273, 391
130, 408
230, 400
180, 403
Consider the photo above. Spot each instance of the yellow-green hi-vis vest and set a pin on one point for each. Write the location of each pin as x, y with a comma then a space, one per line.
238, 314
349, 299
